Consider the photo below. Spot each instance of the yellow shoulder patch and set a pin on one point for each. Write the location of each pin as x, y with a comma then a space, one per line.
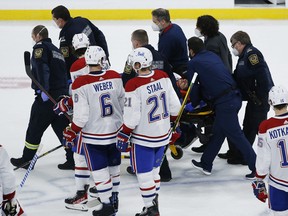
253, 59
65, 51
38, 53
128, 68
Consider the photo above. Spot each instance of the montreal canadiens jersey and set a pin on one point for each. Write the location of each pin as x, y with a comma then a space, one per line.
149, 102
272, 151
78, 68
98, 100
7, 177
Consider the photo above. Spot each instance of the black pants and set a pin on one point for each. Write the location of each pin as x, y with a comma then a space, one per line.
41, 117
254, 115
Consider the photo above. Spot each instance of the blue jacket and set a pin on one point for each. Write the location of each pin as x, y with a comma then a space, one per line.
253, 75
75, 26
49, 69
216, 83
173, 45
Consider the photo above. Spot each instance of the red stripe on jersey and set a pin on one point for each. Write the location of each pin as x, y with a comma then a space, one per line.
279, 180
272, 123
81, 168
78, 65
136, 82
91, 78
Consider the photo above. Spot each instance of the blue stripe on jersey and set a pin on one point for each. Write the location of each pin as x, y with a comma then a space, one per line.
98, 138
151, 140
103, 191
147, 196
82, 176
278, 182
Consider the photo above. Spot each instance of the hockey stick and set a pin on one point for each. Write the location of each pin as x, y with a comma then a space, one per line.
42, 155
172, 146
27, 57
33, 162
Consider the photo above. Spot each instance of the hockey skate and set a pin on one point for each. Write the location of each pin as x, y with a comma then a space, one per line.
19, 162
106, 210
93, 192
151, 211
114, 200
78, 201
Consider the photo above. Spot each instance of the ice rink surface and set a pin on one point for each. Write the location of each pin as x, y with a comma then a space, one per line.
224, 193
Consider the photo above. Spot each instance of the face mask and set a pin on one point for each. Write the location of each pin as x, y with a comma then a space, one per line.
155, 27
197, 32
235, 52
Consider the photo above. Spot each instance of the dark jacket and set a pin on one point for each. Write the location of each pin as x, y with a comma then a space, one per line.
253, 76
218, 45
216, 83
49, 69
75, 26
173, 45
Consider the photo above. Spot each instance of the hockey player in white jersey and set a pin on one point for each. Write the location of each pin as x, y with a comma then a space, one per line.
9, 205
272, 154
150, 102
98, 100
80, 43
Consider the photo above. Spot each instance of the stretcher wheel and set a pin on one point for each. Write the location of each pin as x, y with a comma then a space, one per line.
179, 153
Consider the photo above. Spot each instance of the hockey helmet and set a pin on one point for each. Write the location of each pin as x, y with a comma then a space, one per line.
278, 95
80, 41
95, 55
140, 58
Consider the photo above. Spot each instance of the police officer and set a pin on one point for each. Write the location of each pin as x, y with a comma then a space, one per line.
218, 88
48, 68
254, 81
69, 27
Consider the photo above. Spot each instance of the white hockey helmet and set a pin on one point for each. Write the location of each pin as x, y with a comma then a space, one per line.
95, 55
80, 41
278, 95
140, 58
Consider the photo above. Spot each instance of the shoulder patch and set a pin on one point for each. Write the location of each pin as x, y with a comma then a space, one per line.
65, 51
253, 59
38, 53
127, 68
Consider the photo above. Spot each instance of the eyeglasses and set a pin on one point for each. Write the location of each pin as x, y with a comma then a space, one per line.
233, 44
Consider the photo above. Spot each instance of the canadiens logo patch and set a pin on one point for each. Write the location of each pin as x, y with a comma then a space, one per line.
65, 51
38, 53
127, 69
253, 59
260, 142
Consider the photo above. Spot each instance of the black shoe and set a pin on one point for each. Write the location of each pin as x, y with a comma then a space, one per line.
199, 149
19, 162
114, 200
199, 167
235, 161
106, 210
251, 176
165, 179
151, 211
66, 166
224, 155
130, 170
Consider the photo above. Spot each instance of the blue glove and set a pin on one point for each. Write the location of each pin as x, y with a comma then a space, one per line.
189, 107
259, 190
44, 97
122, 142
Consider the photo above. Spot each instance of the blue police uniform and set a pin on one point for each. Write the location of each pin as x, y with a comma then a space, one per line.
218, 88
49, 69
173, 45
254, 81
75, 26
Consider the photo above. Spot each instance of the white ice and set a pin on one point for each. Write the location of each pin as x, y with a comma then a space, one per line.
224, 193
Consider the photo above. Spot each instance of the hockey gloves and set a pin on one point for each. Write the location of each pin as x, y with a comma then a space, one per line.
10, 207
68, 137
175, 135
190, 108
122, 142
259, 190
62, 106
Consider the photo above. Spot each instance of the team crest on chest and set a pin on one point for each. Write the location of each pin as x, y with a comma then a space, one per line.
65, 52
253, 59
38, 53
